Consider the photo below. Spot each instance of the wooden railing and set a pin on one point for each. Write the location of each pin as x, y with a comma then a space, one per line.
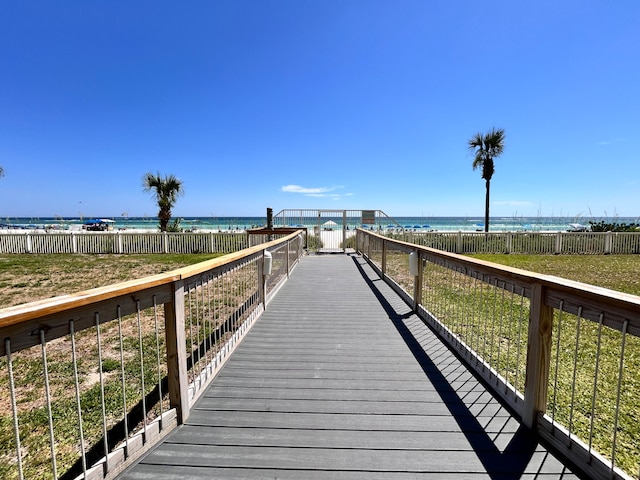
93, 380
562, 355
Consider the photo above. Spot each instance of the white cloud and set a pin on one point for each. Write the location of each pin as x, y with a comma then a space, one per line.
314, 191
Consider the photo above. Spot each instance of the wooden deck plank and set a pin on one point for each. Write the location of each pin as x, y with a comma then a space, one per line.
338, 379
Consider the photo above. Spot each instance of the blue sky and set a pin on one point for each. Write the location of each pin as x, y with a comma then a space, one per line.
347, 104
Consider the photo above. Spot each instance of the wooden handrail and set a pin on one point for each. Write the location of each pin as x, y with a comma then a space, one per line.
42, 308
619, 304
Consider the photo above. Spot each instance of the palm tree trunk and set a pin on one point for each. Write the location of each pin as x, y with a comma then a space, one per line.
486, 209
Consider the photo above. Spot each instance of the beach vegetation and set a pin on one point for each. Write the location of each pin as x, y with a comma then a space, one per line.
603, 226
314, 242
166, 191
175, 226
485, 148
29, 277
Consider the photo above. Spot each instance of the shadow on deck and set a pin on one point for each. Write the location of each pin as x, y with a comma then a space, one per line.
339, 379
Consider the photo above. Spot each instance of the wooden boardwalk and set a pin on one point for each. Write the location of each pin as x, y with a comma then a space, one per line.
339, 380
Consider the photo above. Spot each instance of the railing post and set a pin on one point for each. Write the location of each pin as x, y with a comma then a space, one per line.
538, 357
74, 243
176, 353
558, 243
29, 244
344, 231
165, 242
608, 242
367, 243
459, 243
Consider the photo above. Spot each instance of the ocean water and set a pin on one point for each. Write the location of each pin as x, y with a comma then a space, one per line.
227, 224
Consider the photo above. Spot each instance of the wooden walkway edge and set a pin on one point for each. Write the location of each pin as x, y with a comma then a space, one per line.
339, 379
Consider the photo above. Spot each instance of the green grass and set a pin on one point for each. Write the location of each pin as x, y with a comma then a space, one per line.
25, 278
574, 350
617, 272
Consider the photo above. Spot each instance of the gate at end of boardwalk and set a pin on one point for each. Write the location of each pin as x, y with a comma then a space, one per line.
333, 231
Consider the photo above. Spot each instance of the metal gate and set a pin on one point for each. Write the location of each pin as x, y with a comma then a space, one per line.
332, 231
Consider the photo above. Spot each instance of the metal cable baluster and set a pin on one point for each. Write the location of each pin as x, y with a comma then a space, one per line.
155, 325
223, 302
518, 344
507, 363
102, 398
492, 337
205, 327
78, 403
485, 314
233, 278
244, 288
190, 343
124, 391
502, 294
213, 305
555, 380
575, 370
474, 319
465, 312
455, 320
47, 391
199, 370
144, 392
625, 326
595, 381
14, 408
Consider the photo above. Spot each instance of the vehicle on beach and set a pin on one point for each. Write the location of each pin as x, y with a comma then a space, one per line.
577, 227
98, 225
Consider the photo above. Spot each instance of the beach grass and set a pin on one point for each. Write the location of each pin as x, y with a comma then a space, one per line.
30, 277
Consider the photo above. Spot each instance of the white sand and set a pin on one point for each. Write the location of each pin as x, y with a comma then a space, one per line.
332, 238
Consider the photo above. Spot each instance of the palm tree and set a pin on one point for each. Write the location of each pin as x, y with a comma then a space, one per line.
1, 172
166, 191
486, 148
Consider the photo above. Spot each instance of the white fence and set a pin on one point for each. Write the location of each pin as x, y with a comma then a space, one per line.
550, 243
122, 242
587, 243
